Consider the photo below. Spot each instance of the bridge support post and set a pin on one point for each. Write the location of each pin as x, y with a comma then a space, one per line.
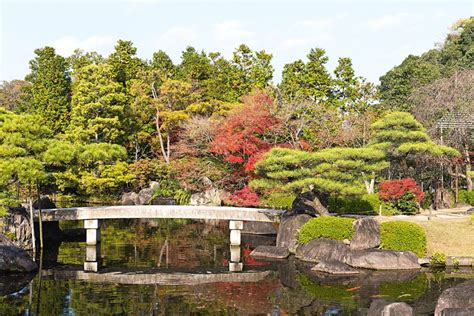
235, 263
92, 227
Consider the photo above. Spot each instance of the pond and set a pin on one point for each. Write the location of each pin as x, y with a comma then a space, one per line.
178, 267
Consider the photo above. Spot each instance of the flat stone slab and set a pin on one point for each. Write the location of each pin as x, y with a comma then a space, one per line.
272, 252
334, 267
376, 259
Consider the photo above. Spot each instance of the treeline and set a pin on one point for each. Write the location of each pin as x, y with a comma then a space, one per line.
91, 127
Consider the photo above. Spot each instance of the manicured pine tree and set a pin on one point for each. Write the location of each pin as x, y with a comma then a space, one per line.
339, 171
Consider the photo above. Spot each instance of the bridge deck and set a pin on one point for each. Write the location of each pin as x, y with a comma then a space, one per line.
160, 211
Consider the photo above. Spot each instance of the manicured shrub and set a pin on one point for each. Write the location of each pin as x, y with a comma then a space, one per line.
278, 200
403, 236
392, 190
438, 259
338, 228
466, 197
406, 204
365, 204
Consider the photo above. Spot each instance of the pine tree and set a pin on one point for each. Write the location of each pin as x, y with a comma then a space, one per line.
99, 106
339, 171
50, 88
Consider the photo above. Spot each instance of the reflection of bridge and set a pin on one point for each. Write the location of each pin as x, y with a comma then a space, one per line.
93, 215
153, 277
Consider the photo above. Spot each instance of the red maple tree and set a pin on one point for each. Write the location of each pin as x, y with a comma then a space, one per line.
391, 190
244, 135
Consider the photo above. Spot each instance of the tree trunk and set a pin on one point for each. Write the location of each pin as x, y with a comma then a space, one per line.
469, 184
309, 203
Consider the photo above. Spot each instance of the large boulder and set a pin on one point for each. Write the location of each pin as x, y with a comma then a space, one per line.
13, 258
376, 259
366, 234
334, 267
288, 230
384, 308
144, 196
458, 300
211, 196
322, 249
129, 198
270, 252
259, 228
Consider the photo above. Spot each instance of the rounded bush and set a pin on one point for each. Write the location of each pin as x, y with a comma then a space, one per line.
403, 236
338, 228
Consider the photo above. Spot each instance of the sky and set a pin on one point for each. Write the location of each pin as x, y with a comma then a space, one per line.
377, 35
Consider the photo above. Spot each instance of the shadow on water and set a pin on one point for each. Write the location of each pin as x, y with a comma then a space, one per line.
191, 277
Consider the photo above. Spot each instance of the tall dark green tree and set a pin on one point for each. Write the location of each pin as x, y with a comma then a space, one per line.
124, 62
99, 106
50, 88
194, 66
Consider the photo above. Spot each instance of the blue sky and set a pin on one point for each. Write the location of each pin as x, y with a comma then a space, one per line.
377, 35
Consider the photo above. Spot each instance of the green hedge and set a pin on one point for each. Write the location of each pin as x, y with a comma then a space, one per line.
279, 200
365, 204
466, 197
403, 236
331, 227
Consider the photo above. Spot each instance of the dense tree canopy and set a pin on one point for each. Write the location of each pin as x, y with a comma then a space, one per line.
91, 127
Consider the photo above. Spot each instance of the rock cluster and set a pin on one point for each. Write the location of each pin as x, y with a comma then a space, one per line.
339, 257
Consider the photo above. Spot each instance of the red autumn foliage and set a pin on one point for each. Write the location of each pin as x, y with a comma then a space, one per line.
391, 190
245, 197
241, 138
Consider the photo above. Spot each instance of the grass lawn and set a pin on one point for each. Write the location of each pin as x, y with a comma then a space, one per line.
453, 237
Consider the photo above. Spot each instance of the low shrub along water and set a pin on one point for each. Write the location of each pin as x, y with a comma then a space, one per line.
338, 228
403, 236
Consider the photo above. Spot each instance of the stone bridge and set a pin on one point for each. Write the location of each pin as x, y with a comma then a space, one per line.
92, 216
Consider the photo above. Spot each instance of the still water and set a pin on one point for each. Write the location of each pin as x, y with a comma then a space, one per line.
173, 267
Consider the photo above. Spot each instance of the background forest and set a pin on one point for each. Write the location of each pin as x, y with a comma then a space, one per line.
89, 127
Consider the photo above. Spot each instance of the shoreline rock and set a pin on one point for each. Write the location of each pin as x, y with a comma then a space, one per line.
288, 230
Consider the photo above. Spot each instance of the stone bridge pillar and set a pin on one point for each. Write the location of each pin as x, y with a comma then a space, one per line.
92, 227
235, 263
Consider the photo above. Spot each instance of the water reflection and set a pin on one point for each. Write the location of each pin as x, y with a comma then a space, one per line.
182, 269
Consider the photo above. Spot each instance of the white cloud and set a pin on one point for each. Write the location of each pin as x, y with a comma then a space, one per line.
67, 44
316, 24
388, 20
179, 36
230, 34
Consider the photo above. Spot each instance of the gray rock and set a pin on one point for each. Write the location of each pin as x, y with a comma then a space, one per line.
288, 230
346, 241
457, 300
458, 311
259, 228
425, 261
208, 197
144, 196
270, 252
322, 249
334, 267
376, 259
366, 234
384, 308
14, 259
129, 198
17, 222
